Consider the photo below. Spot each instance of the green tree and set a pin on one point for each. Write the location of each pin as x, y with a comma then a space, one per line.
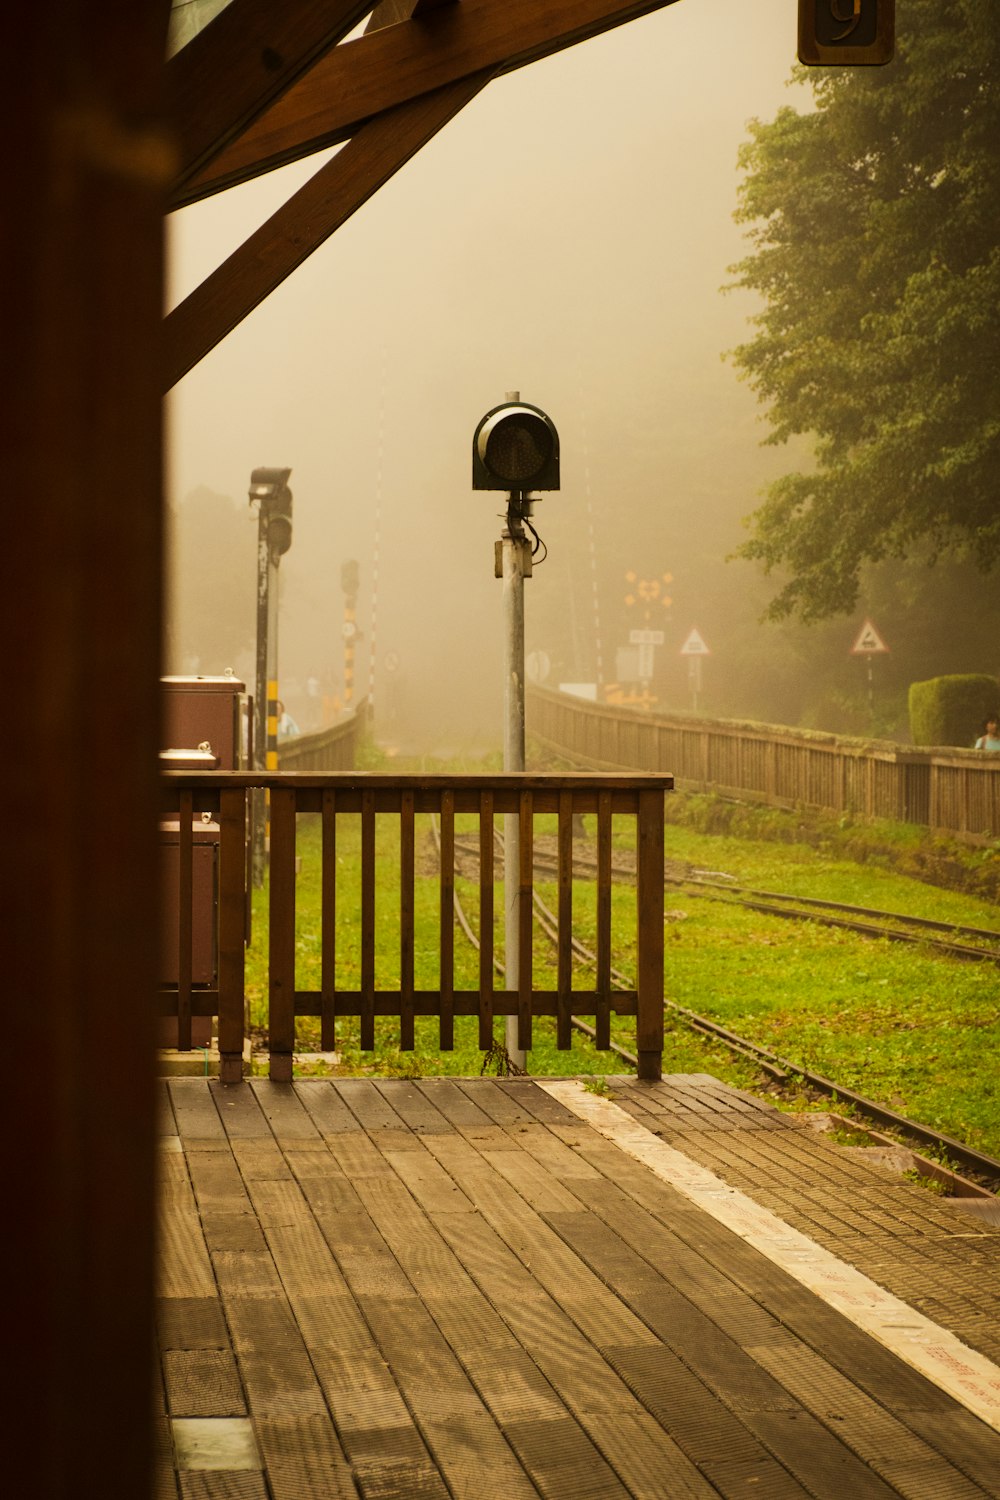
875, 222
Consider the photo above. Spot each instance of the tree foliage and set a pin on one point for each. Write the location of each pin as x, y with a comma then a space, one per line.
875, 225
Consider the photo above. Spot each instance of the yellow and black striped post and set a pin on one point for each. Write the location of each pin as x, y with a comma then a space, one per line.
271, 753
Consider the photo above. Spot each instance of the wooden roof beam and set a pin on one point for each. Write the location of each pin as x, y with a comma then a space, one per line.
309, 217
361, 79
243, 59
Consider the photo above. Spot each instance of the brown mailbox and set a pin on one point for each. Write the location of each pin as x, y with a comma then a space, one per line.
204, 900
206, 727
208, 710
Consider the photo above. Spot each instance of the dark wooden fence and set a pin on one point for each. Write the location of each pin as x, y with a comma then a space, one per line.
221, 799
949, 790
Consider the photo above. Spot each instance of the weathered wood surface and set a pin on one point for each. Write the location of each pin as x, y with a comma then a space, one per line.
455, 1287
948, 789
361, 79
640, 797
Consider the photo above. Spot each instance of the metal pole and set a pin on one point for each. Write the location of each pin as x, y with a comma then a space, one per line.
514, 545
260, 691
272, 662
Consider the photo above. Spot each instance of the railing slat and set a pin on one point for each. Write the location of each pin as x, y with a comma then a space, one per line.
485, 920
328, 922
564, 1031
281, 907
602, 1004
446, 1023
368, 921
649, 936
185, 918
232, 931
524, 924
407, 918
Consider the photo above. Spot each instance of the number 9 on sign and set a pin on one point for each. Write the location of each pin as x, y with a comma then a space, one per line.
849, 33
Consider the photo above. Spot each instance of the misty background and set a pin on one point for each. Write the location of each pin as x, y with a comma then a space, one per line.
567, 236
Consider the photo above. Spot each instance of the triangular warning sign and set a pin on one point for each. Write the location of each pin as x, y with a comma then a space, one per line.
694, 646
868, 641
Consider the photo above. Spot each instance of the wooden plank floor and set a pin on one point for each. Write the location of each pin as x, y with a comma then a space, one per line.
397, 1290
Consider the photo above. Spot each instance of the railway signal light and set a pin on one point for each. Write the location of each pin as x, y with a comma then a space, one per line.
515, 447
269, 489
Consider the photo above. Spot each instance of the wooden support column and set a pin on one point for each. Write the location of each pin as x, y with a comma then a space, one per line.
83, 177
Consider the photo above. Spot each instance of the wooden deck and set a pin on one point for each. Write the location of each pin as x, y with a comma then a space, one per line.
398, 1290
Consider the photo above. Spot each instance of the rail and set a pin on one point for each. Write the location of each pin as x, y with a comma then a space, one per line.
947, 789
220, 799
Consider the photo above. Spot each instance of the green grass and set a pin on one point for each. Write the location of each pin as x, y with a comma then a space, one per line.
913, 1030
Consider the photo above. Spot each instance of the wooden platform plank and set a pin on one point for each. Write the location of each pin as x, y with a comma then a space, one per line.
459, 1428
369, 1104
284, 1111
649, 1463
416, 1110
190, 1323
261, 1159
562, 1460
195, 1112
452, 1102
325, 1107
202, 1383
304, 1459
239, 1110
216, 1484
494, 1100
218, 1186
183, 1266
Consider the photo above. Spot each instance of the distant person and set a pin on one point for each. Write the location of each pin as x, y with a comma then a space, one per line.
287, 726
990, 738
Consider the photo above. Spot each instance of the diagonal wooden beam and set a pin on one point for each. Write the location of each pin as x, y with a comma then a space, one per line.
361, 79
309, 217
241, 61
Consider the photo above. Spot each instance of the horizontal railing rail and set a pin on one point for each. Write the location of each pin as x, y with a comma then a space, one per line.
947, 789
219, 801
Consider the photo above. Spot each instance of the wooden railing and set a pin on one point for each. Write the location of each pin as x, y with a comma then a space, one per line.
949, 790
221, 798
330, 749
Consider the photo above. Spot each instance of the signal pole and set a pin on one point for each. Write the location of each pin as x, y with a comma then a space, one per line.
269, 491
515, 567
515, 448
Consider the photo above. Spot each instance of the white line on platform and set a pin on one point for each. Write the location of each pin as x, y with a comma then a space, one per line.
966, 1375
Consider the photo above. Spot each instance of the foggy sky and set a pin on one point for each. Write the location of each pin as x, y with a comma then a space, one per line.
566, 236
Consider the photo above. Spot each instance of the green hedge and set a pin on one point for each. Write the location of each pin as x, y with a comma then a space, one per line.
951, 710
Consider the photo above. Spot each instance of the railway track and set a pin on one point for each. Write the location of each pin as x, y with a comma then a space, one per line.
961, 941
980, 1166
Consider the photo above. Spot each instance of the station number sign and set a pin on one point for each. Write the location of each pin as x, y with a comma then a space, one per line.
846, 33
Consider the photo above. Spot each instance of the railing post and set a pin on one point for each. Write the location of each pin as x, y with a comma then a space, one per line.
649, 935
232, 931
281, 965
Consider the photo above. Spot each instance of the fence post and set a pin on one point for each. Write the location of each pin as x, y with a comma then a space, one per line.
232, 931
649, 935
